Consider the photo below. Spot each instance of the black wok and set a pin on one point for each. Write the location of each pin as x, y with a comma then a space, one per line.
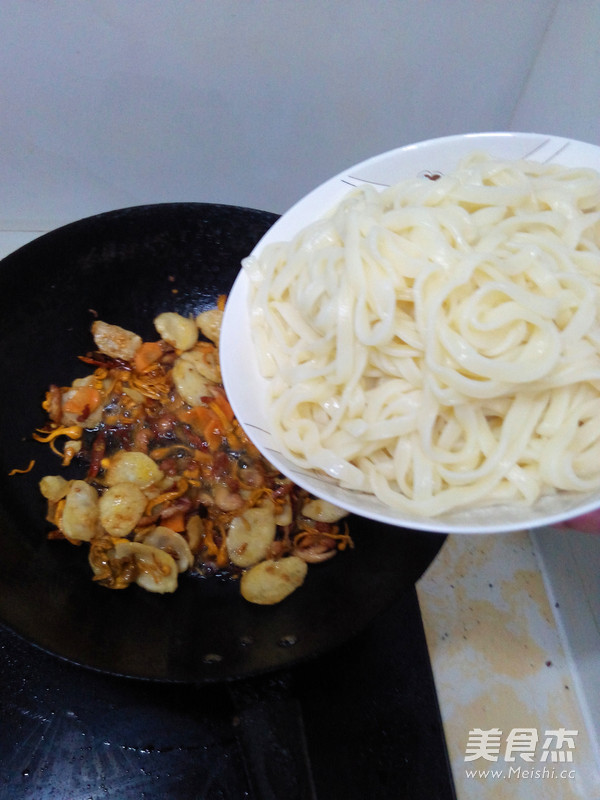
125, 267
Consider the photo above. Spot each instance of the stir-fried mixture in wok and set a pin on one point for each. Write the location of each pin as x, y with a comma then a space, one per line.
173, 485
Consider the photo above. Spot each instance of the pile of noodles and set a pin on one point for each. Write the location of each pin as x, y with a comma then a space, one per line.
437, 343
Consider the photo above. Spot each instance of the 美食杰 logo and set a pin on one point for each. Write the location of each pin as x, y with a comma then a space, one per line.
525, 752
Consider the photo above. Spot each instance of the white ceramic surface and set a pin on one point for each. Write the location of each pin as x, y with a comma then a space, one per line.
247, 389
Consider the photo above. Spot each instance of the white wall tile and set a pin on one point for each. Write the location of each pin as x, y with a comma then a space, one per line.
109, 104
562, 94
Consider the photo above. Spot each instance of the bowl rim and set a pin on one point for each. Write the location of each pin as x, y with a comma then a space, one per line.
240, 369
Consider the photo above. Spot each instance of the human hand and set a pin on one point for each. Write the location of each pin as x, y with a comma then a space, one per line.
586, 523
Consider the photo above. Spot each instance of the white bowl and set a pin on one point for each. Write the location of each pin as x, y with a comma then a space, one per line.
246, 388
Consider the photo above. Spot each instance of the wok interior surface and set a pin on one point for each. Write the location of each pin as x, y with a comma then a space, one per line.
125, 267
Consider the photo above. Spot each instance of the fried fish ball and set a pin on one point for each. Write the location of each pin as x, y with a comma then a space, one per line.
132, 466
54, 487
121, 508
189, 382
270, 582
177, 330
323, 510
209, 322
114, 341
250, 535
80, 516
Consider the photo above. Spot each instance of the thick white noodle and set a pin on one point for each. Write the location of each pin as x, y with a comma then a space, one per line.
438, 343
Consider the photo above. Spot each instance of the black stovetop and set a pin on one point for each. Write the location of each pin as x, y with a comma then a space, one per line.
369, 711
